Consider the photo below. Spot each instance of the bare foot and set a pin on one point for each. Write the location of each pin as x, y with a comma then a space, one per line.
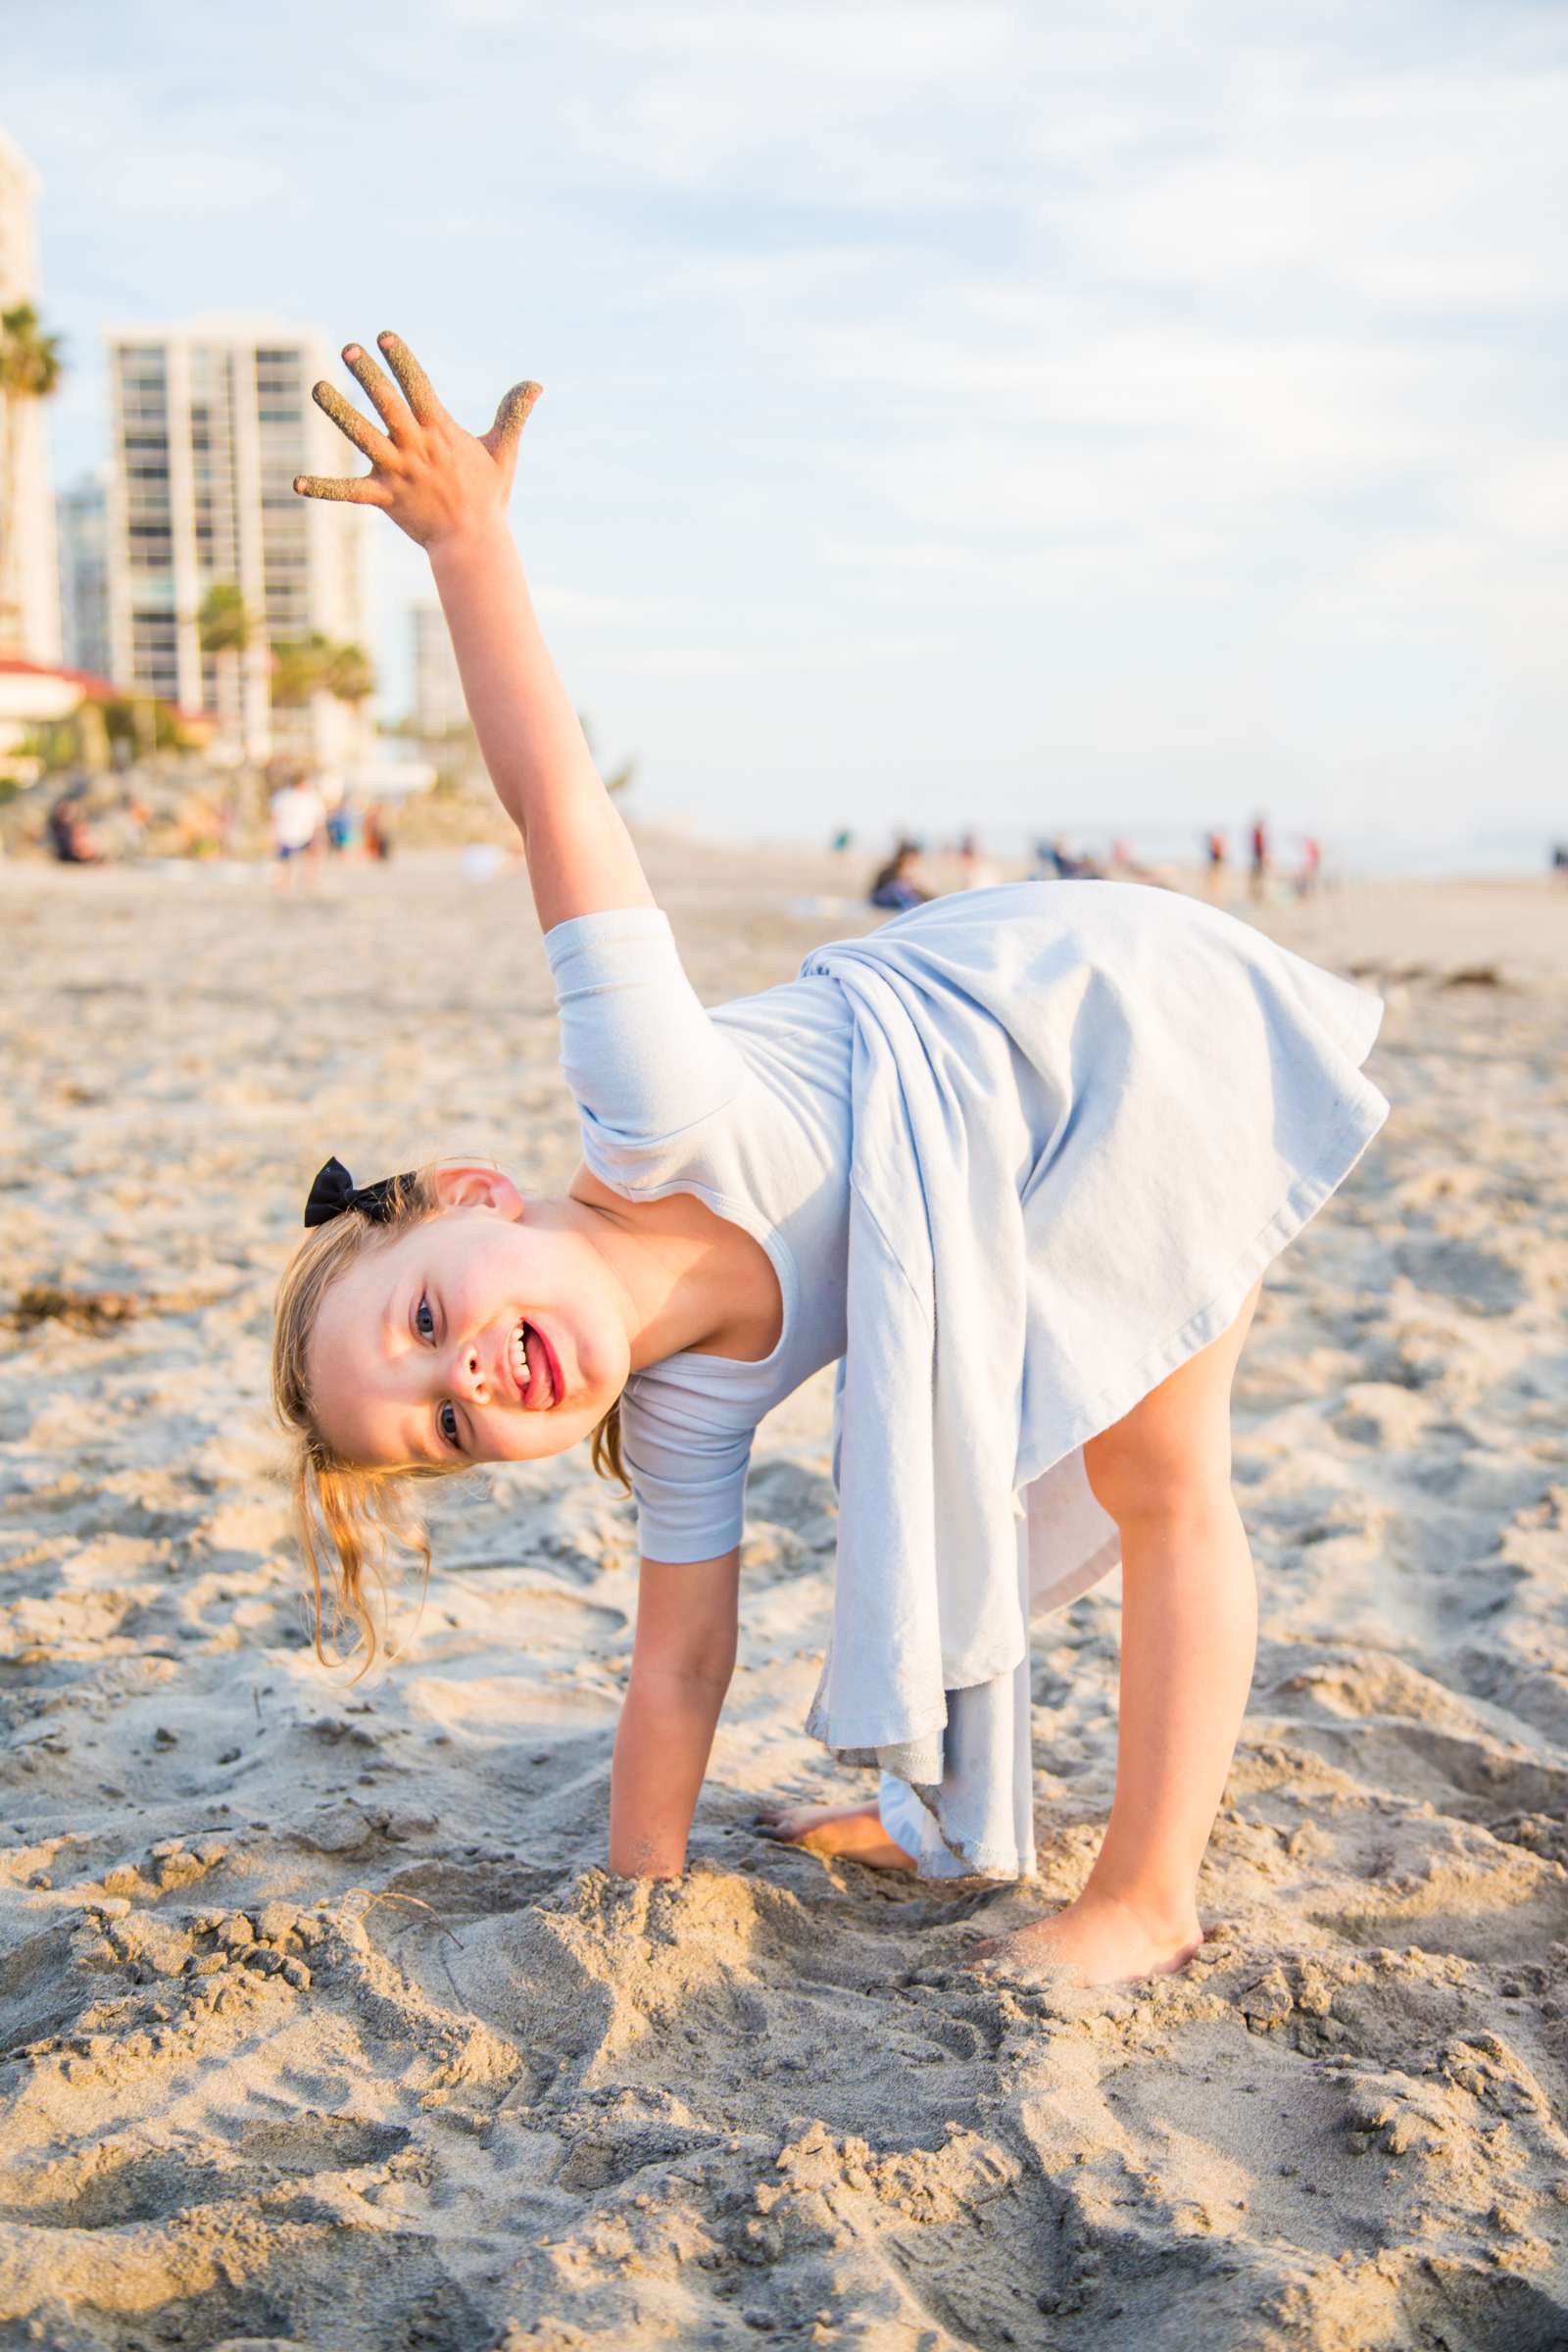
1096, 1942
854, 1830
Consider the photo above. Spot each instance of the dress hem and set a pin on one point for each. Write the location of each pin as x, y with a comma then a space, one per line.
860, 1743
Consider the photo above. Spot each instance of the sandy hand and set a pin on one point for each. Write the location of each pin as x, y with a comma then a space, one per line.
434, 479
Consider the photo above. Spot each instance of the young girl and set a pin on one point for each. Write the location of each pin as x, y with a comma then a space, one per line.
1017, 1162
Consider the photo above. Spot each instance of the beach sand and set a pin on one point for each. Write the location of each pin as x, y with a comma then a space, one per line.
322, 2024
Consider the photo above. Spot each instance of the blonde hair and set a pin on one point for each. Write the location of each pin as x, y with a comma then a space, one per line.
348, 1516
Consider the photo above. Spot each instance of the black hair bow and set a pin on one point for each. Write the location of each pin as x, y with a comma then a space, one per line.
334, 1192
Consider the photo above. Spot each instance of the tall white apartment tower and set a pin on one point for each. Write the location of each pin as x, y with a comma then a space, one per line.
29, 591
211, 423
81, 518
438, 704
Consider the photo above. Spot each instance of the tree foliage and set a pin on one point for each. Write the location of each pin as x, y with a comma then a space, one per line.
31, 362
31, 365
303, 667
223, 619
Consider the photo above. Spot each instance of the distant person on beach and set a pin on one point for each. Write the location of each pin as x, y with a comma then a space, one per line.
895, 888
1127, 866
975, 871
1054, 862
297, 818
70, 836
342, 826
1214, 855
379, 832
1015, 1161
1257, 878
1310, 870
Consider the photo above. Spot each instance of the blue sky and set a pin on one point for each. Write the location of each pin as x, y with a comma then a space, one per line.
1052, 414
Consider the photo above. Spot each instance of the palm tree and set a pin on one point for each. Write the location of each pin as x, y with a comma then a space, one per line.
306, 666
224, 629
299, 668
31, 369
349, 674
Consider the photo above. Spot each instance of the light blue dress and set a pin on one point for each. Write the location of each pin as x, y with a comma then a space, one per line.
1015, 1157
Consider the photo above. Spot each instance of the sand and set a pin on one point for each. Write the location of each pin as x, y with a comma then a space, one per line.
322, 2024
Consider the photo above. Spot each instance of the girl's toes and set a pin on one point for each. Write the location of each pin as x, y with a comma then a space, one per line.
774, 1826
785, 1823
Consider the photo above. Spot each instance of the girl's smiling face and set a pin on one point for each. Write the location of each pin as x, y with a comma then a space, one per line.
474, 1336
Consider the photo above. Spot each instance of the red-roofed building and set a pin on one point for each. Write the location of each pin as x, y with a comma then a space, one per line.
39, 694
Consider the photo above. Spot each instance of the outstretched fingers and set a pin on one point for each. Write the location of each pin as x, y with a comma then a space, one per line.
417, 389
360, 490
377, 386
353, 427
424, 465
512, 415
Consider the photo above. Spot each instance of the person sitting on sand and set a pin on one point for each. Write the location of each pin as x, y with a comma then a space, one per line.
1017, 1161
71, 837
894, 887
1054, 861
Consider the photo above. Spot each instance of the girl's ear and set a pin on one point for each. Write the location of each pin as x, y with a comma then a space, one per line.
464, 1186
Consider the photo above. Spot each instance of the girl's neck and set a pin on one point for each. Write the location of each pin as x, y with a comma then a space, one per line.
673, 1264
688, 1278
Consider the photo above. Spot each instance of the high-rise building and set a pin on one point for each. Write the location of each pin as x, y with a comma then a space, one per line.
438, 705
211, 424
81, 527
29, 594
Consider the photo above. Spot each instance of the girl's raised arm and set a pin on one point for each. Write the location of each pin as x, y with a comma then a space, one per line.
447, 489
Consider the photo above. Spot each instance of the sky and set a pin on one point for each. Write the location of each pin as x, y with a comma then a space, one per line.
1103, 416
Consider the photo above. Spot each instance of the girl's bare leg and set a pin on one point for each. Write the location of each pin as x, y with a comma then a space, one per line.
1188, 1631
1188, 1628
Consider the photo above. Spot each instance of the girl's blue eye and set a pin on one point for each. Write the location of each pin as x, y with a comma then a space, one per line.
422, 1317
446, 1421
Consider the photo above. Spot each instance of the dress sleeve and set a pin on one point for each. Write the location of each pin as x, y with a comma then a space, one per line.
687, 1472
642, 1057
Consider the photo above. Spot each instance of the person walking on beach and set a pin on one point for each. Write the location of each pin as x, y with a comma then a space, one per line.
342, 824
1258, 876
297, 820
1015, 1162
379, 832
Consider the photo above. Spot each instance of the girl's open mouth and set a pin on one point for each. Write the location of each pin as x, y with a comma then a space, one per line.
534, 1369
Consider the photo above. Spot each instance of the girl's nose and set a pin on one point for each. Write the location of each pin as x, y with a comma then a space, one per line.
470, 1381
